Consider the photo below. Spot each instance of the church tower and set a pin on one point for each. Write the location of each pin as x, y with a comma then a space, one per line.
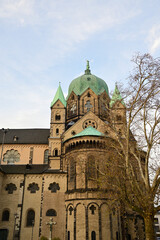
118, 111
57, 128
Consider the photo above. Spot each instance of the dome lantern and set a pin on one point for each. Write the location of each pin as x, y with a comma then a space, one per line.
87, 71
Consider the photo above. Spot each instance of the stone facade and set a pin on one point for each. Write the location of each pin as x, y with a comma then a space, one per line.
53, 173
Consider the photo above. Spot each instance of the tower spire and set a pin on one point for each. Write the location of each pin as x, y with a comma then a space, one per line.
116, 97
87, 71
59, 95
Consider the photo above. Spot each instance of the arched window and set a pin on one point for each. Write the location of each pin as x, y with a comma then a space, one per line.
30, 218
68, 238
57, 131
46, 152
117, 235
128, 237
72, 169
5, 215
57, 117
51, 213
91, 171
11, 156
118, 117
55, 152
93, 235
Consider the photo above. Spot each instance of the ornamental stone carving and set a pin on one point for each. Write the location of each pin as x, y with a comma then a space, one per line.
10, 188
33, 187
54, 187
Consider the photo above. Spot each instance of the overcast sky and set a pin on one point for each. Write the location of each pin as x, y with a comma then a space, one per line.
44, 42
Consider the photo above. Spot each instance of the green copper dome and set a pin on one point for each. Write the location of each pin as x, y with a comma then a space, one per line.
80, 84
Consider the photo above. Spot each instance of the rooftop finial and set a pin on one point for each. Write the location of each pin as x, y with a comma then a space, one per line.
87, 71
88, 67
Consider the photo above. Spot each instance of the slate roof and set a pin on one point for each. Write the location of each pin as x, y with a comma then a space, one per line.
26, 136
28, 169
21, 169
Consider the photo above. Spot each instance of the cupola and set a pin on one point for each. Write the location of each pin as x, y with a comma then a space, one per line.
88, 80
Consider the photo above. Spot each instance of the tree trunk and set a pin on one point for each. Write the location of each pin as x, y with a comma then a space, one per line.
149, 227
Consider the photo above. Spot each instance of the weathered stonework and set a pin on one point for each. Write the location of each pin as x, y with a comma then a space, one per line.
65, 185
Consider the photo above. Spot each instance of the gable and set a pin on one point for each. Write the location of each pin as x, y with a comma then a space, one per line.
118, 105
72, 96
90, 91
57, 104
88, 119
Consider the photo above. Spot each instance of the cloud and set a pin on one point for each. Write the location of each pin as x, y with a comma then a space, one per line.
85, 16
38, 34
79, 21
16, 10
62, 25
154, 38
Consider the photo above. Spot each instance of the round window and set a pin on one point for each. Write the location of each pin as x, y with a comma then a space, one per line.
89, 122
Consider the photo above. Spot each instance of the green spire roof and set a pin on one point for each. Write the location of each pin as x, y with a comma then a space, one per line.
88, 80
59, 96
116, 97
89, 131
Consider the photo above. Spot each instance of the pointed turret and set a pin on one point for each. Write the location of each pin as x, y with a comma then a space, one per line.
116, 97
59, 96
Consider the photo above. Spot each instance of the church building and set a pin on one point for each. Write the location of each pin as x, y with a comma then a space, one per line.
50, 175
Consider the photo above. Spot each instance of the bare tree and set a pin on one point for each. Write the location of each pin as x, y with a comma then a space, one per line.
133, 173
